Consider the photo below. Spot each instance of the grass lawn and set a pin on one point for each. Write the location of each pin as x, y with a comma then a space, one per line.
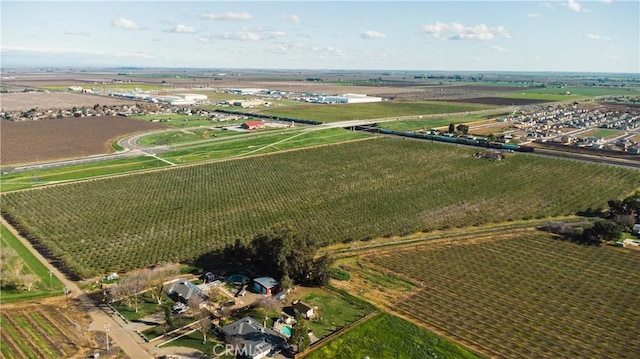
34, 178
603, 132
146, 306
185, 136
334, 311
213, 345
47, 286
359, 111
260, 144
387, 336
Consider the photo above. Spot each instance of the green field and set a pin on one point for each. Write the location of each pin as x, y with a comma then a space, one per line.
357, 190
559, 93
185, 136
360, 111
431, 122
334, 312
603, 132
387, 336
528, 296
47, 286
260, 143
36, 178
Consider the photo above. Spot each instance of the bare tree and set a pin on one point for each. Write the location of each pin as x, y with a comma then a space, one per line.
201, 315
156, 277
129, 289
29, 280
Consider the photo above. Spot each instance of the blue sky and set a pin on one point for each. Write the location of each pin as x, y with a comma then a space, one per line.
573, 35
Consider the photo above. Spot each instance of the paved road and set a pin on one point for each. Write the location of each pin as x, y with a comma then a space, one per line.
128, 341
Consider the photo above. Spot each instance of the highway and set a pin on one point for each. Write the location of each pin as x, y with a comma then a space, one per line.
133, 149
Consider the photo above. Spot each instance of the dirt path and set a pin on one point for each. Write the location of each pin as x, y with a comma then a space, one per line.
119, 336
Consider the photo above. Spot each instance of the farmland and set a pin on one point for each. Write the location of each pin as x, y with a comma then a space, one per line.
55, 100
350, 191
52, 139
44, 330
527, 296
359, 111
387, 336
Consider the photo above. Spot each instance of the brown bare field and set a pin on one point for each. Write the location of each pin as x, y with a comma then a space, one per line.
22, 101
53, 139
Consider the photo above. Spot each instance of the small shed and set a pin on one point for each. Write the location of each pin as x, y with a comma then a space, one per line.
266, 285
307, 311
636, 228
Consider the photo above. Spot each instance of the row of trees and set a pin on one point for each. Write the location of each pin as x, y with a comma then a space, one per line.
283, 253
141, 280
621, 217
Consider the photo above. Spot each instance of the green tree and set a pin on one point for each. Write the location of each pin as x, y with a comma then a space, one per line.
300, 333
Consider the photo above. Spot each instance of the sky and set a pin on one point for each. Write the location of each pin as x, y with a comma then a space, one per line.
573, 35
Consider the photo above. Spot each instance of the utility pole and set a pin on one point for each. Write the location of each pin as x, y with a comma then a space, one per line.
51, 281
106, 330
66, 295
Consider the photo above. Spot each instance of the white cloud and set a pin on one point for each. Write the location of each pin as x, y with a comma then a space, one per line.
607, 1
330, 50
182, 29
123, 23
205, 39
457, 31
597, 37
533, 15
276, 34
372, 35
76, 33
227, 16
292, 17
241, 36
548, 5
499, 49
574, 5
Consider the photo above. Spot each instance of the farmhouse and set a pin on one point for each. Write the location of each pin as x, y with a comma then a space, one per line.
252, 340
252, 125
183, 290
307, 311
266, 285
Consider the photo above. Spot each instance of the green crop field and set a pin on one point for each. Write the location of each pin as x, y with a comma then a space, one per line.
555, 93
35, 178
359, 111
46, 286
529, 296
339, 192
387, 336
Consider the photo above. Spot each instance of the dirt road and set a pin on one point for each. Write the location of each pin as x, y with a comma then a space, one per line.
119, 336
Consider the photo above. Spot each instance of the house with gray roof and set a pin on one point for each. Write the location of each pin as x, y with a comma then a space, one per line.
251, 339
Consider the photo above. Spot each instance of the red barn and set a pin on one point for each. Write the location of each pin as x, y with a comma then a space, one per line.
252, 125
